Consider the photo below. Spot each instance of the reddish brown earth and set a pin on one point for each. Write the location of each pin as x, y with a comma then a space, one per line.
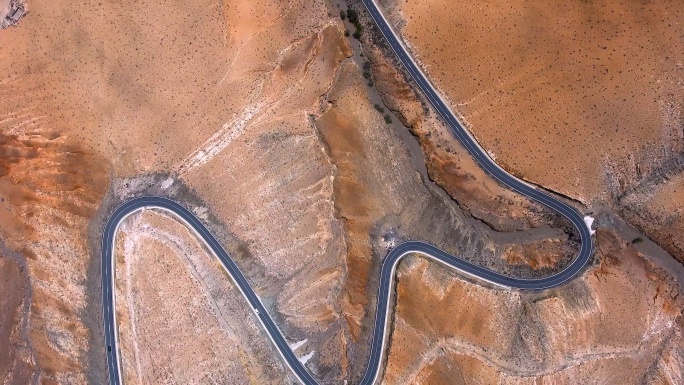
266, 117
656, 209
449, 164
198, 311
450, 333
49, 189
451, 167
540, 254
556, 91
87, 97
621, 322
584, 98
375, 204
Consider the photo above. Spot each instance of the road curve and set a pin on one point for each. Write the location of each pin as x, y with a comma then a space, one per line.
389, 264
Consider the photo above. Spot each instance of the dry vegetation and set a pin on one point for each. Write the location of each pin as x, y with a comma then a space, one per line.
49, 188
265, 115
376, 205
523, 80
168, 89
530, 76
197, 311
619, 324
581, 97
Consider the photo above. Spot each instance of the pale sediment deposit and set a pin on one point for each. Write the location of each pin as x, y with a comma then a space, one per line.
175, 305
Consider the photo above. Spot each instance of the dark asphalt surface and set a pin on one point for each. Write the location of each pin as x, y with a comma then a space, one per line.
389, 263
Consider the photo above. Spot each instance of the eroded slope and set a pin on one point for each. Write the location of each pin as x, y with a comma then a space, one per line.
619, 323
172, 299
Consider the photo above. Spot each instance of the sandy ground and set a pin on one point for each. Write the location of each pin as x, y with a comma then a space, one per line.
87, 97
448, 331
505, 217
265, 115
582, 98
49, 188
180, 319
620, 323
596, 77
377, 206
4, 8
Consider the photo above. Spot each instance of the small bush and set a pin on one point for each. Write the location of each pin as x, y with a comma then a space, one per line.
388, 119
637, 240
346, 32
343, 14
379, 108
366, 75
353, 17
370, 83
366, 66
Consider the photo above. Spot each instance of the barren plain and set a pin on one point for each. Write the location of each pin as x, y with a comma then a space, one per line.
309, 155
599, 77
603, 79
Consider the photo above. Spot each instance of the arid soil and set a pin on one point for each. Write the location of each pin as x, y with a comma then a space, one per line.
160, 320
457, 350
507, 217
526, 76
87, 97
621, 323
584, 98
656, 209
4, 8
49, 188
539, 254
257, 116
377, 206
448, 162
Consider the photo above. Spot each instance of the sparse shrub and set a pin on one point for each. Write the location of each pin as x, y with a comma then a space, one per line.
366, 75
353, 17
379, 108
343, 14
366, 66
346, 32
388, 119
637, 240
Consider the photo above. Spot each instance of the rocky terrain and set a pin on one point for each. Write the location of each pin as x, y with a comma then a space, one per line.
641, 186
11, 11
49, 189
603, 79
205, 314
309, 155
621, 323
15, 355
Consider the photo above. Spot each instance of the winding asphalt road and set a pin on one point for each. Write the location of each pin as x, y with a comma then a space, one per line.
389, 264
